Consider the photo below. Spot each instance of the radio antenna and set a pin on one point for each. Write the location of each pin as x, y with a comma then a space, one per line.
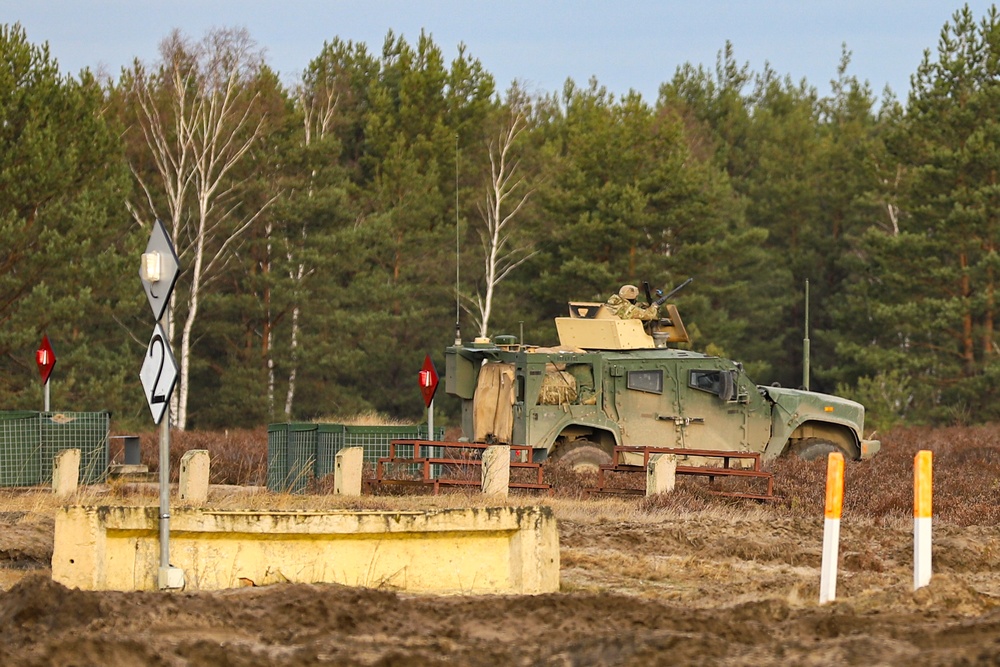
458, 255
805, 345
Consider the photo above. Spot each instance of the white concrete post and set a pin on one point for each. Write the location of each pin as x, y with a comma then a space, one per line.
661, 474
194, 476
66, 472
496, 470
347, 468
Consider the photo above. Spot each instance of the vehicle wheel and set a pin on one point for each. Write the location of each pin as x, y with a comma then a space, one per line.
811, 449
583, 456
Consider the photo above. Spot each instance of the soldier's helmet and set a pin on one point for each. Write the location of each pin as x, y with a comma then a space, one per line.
628, 292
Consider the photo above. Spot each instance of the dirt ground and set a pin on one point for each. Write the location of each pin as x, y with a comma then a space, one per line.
733, 585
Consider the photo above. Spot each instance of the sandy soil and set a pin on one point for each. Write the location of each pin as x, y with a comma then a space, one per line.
639, 587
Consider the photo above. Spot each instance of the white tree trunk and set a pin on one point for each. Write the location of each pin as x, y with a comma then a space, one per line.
503, 202
192, 315
319, 106
199, 123
294, 344
269, 329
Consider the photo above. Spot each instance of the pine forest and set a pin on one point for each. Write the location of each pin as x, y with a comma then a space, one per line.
334, 230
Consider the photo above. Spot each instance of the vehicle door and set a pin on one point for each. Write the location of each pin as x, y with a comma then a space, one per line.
721, 409
644, 404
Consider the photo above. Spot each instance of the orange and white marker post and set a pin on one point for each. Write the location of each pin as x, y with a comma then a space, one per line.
922, 491
831, 527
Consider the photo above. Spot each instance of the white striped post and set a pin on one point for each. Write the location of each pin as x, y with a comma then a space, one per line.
831, 527
922, 492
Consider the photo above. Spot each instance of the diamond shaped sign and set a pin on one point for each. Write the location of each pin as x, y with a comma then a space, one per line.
45, 358
159, 269
428, 380
158, 373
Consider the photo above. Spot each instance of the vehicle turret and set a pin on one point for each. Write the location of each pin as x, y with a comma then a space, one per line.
592, 326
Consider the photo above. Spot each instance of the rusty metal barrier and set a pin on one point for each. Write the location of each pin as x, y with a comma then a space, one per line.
619, 464
464, 468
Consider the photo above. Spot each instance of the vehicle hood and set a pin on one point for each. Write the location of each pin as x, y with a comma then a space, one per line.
798, 405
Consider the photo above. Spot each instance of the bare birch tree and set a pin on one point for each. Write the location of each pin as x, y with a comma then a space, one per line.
318, 97
506, 196
200, 117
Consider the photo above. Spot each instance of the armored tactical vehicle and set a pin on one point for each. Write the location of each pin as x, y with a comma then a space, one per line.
618, 382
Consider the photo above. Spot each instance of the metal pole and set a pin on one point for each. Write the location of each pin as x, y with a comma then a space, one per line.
165, 479
165, 490
430, 420
46, 396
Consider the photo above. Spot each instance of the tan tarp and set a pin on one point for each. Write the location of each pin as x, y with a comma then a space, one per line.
493, 405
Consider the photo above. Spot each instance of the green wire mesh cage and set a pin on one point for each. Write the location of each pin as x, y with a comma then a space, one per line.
29, 441
298, 454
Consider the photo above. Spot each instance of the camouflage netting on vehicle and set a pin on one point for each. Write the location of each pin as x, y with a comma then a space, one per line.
558, 387
493, 406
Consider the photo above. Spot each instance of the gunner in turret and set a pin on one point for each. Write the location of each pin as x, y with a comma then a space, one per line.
625, 307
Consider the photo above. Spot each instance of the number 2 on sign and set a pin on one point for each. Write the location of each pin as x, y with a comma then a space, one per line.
158, 340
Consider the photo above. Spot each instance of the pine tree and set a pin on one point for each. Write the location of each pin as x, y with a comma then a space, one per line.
929, 291
65, 239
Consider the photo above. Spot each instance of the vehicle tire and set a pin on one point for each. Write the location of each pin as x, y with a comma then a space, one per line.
811, 449
582, 456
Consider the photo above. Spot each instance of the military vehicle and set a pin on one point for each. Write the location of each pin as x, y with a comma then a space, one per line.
613, 381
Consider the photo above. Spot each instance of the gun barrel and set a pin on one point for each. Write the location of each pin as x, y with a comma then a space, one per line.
666, 297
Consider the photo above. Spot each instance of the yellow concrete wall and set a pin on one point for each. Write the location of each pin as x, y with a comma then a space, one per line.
489, 550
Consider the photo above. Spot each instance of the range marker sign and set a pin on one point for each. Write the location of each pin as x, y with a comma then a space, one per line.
158, 373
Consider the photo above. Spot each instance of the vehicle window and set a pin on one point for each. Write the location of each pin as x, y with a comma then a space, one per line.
706, 381
719, 383
649, 381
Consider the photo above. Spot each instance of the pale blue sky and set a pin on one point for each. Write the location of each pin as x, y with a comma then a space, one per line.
625, 44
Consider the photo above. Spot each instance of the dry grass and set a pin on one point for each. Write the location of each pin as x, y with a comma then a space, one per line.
966, 480
369, 418
596, 510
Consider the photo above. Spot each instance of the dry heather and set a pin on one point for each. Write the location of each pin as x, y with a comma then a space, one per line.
966, 476
239, 456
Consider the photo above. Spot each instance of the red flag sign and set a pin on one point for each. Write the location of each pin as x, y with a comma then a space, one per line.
428, 380
45, 357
